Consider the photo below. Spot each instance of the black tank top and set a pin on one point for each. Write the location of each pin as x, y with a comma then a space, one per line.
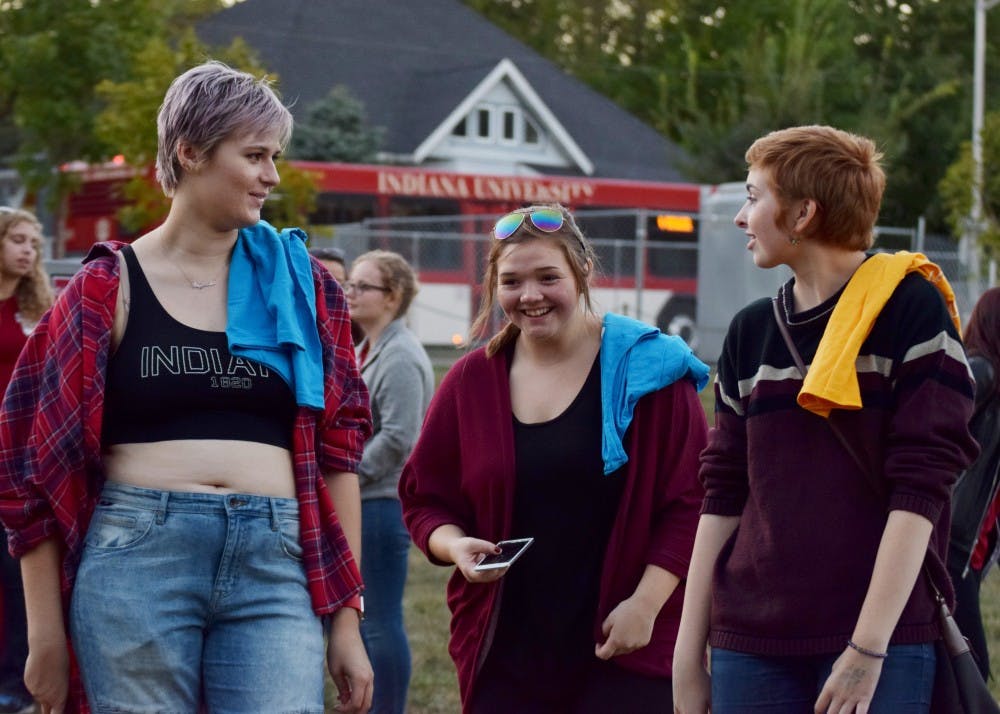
544, 640
168, 381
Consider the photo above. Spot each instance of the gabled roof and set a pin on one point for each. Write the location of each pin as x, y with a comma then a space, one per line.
414, 62
506, 71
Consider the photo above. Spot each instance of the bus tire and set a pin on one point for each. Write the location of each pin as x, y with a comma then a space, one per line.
677, 317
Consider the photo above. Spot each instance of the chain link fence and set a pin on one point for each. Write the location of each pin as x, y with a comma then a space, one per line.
644, 272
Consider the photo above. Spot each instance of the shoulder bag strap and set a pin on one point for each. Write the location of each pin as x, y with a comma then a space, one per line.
841, 437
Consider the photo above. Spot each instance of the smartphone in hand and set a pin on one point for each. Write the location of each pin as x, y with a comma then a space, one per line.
510, 550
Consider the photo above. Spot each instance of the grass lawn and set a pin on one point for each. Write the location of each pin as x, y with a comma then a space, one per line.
989, 601
434, 687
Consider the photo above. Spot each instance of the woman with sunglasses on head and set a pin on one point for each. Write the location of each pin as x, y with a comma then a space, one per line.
179, 444
25, 294
400, 382
582, 432
827, 476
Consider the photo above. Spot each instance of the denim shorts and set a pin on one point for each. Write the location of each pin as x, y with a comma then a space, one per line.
190, 600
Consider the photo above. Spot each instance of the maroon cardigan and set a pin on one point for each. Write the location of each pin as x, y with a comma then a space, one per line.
461, 472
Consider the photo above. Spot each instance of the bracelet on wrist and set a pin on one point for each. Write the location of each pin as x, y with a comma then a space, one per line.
867, 652
357, 603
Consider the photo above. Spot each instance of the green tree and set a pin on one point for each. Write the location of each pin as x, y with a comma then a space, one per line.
911, 92
956, 187
53, 53
335, 128
775, 71
8, 134
294, 200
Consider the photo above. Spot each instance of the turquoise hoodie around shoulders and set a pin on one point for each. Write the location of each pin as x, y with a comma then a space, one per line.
637, 359
272, 308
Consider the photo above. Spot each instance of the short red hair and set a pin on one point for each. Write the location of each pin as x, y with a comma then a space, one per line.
837, 169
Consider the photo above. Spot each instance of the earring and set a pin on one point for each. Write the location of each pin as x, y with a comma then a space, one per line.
794, 240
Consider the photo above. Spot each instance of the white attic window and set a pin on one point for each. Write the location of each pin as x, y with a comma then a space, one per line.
498, 124
531, 133
484, 123
510, 125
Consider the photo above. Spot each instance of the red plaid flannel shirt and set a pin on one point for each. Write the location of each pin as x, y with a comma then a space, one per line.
50, 426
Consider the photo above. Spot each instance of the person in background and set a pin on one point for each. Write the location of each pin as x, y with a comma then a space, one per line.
25, 295
400, 382
333, 259
185, 490
806, 575
583, 432
975, 523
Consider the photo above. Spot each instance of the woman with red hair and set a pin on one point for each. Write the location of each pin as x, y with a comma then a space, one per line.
807, 578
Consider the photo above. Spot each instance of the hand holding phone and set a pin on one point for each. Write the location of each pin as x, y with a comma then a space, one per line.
510, 550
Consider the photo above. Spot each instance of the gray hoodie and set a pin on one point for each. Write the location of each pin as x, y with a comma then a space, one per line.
400, 381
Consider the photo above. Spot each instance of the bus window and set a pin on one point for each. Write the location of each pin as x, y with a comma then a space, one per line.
673, 243
333, 208
419, 206
613, 237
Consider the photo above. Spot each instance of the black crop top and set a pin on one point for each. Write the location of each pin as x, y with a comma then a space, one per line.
168, 381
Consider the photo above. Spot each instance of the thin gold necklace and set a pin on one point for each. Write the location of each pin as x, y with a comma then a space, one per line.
195, 284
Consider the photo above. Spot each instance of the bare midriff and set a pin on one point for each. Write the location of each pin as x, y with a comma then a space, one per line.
203, 466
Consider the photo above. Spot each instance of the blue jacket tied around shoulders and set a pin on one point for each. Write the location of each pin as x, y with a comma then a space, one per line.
637, 359
272, 308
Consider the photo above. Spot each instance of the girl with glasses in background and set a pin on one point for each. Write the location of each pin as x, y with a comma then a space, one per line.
400, 382
580, 431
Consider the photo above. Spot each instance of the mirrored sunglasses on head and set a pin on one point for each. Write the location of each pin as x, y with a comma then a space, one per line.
547, 220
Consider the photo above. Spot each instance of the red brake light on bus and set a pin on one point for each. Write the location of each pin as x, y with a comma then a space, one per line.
675, 224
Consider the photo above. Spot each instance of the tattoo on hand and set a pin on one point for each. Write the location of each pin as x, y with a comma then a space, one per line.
856, 675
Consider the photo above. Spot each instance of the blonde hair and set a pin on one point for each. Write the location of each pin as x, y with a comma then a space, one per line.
34, 289
397, 274
579, 254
